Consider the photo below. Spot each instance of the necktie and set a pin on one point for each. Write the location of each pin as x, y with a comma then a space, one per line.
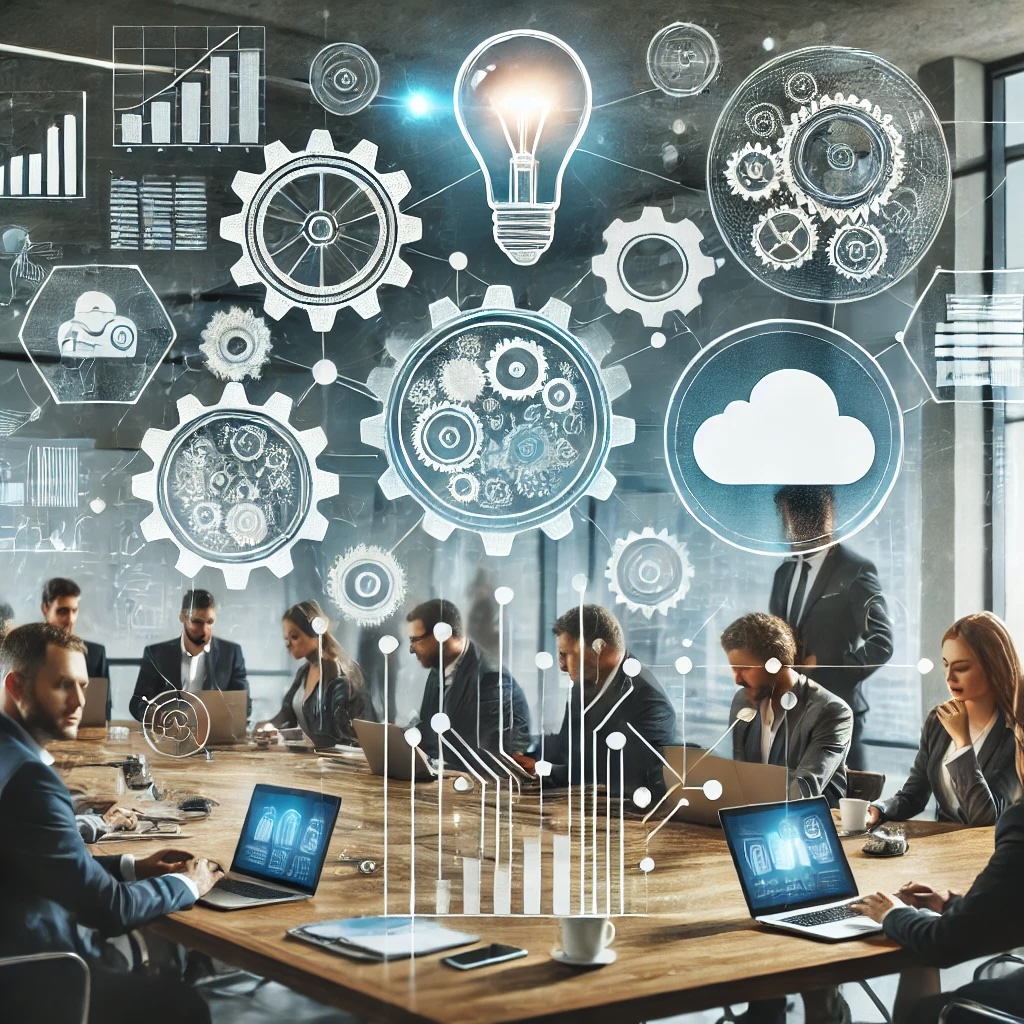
798, 596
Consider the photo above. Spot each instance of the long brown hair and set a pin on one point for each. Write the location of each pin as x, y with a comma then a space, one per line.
301, 615
987, 636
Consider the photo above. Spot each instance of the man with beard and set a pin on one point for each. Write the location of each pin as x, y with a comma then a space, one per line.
194, 661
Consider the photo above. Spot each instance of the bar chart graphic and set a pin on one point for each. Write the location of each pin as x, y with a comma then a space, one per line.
42, 145
189, 85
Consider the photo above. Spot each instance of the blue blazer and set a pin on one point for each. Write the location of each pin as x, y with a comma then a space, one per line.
49, 882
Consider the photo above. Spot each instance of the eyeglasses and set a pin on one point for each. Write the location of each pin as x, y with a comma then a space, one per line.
418, 639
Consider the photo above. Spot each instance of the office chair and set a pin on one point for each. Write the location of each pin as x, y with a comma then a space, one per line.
45, 988
864, 785
967, 1011
984, 971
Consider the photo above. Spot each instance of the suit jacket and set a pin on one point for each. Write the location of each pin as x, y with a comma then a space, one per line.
161, 670
49, 883
820, 730
843, 622
988, 919
98, 668
472, 703
330, 708
985, 783
647, 709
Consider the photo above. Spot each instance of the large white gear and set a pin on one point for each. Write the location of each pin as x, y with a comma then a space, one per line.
164, 447
458, 501
236, 344
366, 584
785, 238
448, 437
858, 251
684, 237
753, 171
874, 121
517, 368
649, 572
293, 242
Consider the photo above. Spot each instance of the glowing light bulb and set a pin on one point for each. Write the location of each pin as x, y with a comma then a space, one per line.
523, 100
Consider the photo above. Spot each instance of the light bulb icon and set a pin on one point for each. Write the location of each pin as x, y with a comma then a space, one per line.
523, 100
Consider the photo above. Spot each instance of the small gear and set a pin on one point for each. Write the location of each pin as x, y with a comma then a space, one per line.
559, 395
447, 437
464, 487
858, 251
658, 247
205, 517
841, 157
801, 87
236, 344
649, 572
247, 524
753, 171
765, 120
517, 368
785, 238
366, 584
422, 393
248, 443
462, 380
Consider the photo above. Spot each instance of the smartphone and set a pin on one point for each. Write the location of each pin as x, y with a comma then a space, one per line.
495, 953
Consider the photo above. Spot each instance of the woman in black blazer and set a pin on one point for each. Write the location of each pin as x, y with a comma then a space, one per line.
966, 756
328, 691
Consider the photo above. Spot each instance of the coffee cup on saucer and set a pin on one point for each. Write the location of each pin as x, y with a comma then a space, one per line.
585, 940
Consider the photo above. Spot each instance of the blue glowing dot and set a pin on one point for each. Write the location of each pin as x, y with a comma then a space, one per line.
418, 104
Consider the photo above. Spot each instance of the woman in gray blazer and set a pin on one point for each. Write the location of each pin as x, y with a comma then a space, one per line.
966, 756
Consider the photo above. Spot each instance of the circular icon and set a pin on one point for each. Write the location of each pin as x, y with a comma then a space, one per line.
448, 437
857, 251
753, 172
649, 572
784, 238
366, 584
682, 59
344, 78
782, 404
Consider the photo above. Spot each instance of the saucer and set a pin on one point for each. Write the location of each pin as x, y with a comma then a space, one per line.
606, 956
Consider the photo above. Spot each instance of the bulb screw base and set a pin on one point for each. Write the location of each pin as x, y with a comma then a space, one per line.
524, 231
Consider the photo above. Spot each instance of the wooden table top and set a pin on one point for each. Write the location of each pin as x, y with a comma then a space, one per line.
686, 942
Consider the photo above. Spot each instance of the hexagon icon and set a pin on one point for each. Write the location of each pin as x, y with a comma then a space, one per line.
96, 334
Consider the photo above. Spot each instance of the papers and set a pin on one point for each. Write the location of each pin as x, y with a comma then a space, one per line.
381, 938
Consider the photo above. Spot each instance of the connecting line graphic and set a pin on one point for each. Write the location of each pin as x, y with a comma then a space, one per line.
641, 170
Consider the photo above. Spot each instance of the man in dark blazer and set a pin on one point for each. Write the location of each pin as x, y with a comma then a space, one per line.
596, 661
195, 661
833, 600
54, 896
59, 606
481, 703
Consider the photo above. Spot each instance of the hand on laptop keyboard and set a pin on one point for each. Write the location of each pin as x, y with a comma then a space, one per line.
828, 916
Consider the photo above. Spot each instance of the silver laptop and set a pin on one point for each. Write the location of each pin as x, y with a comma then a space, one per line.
94, 713
227, 709
742, 783
400, 763
793, 869
284, 843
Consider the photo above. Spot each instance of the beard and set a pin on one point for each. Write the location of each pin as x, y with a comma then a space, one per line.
42, 723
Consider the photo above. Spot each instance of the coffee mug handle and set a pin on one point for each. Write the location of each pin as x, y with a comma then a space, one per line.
609, 933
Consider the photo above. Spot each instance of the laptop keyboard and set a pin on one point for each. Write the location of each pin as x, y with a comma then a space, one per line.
250, 889
816, 917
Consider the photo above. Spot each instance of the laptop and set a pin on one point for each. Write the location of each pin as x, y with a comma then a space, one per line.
793, 869
94, 712
400, 765
227, 710
742, 783
284, 843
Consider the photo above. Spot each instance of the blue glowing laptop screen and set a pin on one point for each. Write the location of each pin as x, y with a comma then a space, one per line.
285, 836
788, 855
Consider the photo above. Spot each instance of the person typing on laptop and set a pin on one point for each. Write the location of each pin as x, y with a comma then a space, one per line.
54, 896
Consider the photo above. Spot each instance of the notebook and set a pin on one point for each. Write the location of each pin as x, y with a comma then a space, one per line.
94, 712
793, 869
400, 765
382, 938
283, 842
742, 783
227, 710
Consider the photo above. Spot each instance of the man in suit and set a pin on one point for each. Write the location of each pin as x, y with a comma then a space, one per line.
61, 598
194, 661
833, 600
592, 652
53, 895
482, 704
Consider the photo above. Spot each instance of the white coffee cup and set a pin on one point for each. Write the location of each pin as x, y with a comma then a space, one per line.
584, 937
853, 813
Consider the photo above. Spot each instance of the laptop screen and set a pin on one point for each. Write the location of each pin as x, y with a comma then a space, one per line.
285, 836
787, 855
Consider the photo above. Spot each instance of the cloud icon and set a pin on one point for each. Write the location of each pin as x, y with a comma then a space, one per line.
790, 432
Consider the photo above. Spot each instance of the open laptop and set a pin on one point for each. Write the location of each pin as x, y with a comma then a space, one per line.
94, 712
793, 869
284, 842
227, 709
399, 766
742, 783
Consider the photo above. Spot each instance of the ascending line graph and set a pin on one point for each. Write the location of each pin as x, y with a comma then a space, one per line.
189, 85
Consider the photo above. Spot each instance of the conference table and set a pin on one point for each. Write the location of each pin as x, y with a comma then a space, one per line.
686, 941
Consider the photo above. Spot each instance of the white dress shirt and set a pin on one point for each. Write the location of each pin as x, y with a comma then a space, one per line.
193, 669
